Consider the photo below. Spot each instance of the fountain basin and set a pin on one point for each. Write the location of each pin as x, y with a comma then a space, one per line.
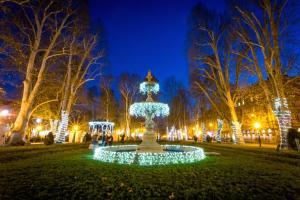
127, 154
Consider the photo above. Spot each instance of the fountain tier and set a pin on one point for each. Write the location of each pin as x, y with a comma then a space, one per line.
149, 109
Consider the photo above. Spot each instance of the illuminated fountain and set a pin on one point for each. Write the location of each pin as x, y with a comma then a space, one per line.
149, 109
149, 152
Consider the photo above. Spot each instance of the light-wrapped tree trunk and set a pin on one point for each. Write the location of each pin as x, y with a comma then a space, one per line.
203, 132
63, 127
220, 127
237, 132
283, 116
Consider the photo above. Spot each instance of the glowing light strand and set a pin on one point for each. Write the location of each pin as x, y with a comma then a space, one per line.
63, 127
283, 115
146, 87
142, 108
204, 134
220, 127
114, 154
237, 132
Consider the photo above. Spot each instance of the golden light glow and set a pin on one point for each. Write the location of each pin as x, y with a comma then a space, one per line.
257, 125
4, 113
39, 128
75, 128
210, 124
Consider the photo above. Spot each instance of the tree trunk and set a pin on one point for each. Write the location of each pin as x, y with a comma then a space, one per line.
237, 133
220, 127
54, 123
127, 118
63, 127
203, 132
20, 125
235, 124
283, 116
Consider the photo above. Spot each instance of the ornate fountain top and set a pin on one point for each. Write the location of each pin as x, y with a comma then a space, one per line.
148, 87
149, 76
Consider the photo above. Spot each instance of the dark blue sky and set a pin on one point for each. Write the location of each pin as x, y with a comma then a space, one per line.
147, 34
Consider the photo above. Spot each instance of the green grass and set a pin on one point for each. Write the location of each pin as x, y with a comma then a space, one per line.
69, 172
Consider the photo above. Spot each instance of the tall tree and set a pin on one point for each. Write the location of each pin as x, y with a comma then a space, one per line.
170, 88
219, 70
33, 32
128, 87
108, 106
180, 110
263, 30
106, 96
82, 66
91, 95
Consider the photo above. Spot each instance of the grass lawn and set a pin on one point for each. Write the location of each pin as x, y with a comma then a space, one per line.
69, 172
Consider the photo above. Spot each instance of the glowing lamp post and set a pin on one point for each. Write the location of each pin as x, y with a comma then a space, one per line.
257, 125
4, 113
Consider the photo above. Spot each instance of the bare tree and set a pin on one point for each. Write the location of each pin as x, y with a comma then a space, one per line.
215, 77
105, 86
129, 87
41, 25
180, 109
262, 32
82, 66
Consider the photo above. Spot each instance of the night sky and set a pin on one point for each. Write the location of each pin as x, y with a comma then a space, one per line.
147, 34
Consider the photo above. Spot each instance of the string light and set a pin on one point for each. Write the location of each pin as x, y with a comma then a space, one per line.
283, 115
203, 132
146, 87
60, 136
220, 127
126, 154
141, 109
237, 133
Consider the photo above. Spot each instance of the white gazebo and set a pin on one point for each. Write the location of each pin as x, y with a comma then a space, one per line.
97, 127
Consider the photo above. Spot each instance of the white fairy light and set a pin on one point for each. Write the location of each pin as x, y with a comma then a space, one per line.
220, 127
187, 154
155, 108
146, 87
283, 115
60, 136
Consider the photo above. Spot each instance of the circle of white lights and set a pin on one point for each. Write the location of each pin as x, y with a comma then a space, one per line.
141, 109
126, 154
146, 87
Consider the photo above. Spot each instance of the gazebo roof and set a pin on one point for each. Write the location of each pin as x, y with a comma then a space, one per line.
101, 123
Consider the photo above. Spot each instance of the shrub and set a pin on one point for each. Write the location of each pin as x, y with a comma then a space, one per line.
36, 139
49, 139
292, 135
208, 138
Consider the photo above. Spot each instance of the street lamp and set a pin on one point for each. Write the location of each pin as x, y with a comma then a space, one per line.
38, 120
257, 125
4, 113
